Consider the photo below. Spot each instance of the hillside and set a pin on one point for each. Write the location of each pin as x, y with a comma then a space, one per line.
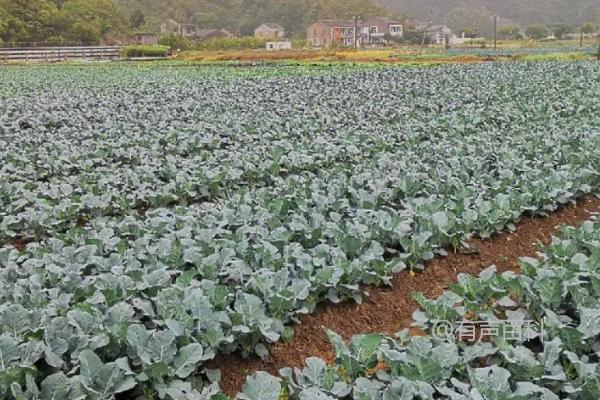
246, 15
91, 20
520, 12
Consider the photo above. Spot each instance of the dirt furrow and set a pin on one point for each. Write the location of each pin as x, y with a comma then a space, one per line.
389, 310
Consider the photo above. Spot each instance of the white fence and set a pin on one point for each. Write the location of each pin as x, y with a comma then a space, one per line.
51, 54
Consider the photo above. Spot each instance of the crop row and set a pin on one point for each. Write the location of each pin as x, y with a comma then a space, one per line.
531, 336
70, 156
148, 299
521, 51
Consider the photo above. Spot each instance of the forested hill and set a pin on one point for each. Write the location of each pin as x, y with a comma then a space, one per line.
521, 12
246, 15
91, 20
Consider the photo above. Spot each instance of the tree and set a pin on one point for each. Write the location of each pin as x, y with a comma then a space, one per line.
415, 36
589, 28
26, 20
3, 22
562, 30
525, 12
137, 19
537, 31
90, 20
294, 15
508, 32
471, 32
175, 42
469, 20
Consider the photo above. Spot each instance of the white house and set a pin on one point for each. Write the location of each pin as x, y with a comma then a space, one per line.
275, 46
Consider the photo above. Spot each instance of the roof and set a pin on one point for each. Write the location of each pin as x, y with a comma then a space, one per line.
206, 32
272, 25
202, 33
178, 23
387, 20
437, 27
339, 23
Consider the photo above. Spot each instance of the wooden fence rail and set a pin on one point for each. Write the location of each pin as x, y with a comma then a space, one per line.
51, 54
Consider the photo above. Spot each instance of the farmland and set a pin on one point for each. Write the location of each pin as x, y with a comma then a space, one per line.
153, 217
420, 366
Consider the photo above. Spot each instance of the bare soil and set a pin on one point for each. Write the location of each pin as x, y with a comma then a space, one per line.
384, 56
389, 310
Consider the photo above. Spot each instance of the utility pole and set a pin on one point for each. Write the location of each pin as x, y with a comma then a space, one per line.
598, 46
495, 32
581, 28
426, 29
355, 33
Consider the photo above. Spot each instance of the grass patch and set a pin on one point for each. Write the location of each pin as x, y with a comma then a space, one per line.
144, 51
555, 57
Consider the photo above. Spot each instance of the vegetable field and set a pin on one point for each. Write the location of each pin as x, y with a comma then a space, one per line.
153, 217
550, 361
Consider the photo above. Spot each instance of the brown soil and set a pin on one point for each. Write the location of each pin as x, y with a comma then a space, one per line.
251, 57
19, 243
389, 310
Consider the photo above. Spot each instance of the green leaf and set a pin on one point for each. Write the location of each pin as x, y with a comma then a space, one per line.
590, 322
261, 386
187, 359
9, 352
55, 387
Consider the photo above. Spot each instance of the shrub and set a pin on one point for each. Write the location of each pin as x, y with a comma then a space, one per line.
415, 36
175, 42
56, 41
299, 43
537, 31
145, 51
242, 43
481, 43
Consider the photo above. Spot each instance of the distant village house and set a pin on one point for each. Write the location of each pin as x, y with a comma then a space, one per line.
177, 28
149, 39
439, 34
463, 39
333, 32
381, 29
193, 32
270, 31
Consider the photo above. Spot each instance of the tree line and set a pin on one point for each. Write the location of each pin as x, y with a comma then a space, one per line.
90, 21
521, 12
60, 21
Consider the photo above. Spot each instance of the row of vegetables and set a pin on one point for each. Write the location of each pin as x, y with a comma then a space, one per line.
178, 212
149, 139
537, 338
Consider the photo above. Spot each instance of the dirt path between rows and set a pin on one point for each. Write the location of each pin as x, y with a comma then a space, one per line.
389, 310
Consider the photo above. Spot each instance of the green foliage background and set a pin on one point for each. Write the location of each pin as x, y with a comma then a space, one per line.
92, 20
62, 21
59, 21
